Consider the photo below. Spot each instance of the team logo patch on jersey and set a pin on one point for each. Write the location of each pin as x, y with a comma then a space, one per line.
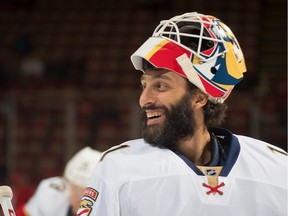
91, 193
86, 204
85, 207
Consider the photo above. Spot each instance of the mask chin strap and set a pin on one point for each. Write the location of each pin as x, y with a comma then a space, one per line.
193, 77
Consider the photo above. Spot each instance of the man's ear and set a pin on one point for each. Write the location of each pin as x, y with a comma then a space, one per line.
200, 99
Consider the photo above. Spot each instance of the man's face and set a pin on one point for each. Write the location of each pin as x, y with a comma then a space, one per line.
167, 114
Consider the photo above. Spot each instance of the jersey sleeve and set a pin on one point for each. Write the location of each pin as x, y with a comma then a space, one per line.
100, 197
108, 179
49, 195
32, 207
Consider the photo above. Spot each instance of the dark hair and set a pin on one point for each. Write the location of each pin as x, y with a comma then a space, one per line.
214, 113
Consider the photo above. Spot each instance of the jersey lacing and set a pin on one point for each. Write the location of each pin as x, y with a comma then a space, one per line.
214, 189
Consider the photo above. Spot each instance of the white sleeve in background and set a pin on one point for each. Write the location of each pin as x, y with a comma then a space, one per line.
50, 198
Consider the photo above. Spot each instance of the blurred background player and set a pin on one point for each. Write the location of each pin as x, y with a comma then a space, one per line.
61, 195
186, 164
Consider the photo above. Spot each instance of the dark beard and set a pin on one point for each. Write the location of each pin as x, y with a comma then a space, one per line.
178, 126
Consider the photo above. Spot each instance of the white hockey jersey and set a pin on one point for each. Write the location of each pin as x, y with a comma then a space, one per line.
136, 179
50, 199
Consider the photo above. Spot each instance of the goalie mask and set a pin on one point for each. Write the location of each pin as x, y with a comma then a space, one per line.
196, 46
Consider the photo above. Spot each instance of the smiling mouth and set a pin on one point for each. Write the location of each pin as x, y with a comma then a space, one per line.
153, 117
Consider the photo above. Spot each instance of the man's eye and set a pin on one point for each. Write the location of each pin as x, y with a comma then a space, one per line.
161, 86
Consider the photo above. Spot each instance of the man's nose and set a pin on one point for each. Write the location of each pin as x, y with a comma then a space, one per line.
147, 97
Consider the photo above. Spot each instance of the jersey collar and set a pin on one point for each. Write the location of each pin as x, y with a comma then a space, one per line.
222, 140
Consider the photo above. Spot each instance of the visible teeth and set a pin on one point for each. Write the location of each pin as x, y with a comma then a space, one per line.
153, 115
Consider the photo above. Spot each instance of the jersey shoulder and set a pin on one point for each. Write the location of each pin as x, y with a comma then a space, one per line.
53, 184
262, 147
50, 194
262, 161
136, 159
134, 150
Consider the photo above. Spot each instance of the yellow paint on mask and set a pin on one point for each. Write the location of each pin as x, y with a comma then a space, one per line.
156, 48
195, 60
234, 68
226, 87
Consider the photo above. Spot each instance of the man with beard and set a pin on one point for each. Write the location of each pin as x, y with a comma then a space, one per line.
185, 165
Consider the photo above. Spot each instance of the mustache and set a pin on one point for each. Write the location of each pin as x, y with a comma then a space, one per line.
152, 107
